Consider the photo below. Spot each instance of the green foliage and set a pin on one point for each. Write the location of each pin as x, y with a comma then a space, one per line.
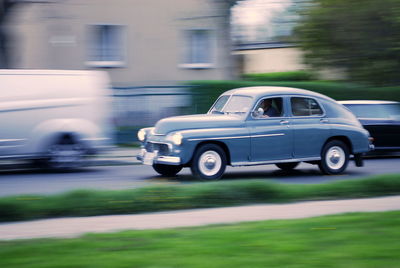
206, 92
360, 37
201, 195
281, 76
353, 240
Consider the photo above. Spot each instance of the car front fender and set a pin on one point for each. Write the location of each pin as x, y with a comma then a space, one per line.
234, 141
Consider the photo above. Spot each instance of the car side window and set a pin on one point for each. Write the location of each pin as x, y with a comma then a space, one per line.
305, 107
269, 107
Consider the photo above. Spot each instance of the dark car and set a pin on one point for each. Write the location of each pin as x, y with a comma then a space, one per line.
381, 119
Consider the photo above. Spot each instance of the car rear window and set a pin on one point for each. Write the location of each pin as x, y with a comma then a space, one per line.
375, 110
393, 109
305, 107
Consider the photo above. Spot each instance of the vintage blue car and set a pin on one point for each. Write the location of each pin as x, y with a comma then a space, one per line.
257, 126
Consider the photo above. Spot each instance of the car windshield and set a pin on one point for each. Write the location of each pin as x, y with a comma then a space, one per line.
235, 104
391, 110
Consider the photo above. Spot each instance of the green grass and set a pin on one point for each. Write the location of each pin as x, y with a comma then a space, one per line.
364, 240
189, 196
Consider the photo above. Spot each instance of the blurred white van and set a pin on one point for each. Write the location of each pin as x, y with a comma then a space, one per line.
54, 117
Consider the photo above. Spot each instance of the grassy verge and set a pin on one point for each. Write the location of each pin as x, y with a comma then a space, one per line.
200, 195
353, 240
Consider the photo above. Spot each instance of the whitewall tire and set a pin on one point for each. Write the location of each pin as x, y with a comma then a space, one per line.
334, 157
209, 162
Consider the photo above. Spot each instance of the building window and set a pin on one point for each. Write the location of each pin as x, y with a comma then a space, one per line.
106, 46
198, 49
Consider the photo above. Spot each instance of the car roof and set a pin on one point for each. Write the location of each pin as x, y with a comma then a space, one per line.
271, 90
367, 102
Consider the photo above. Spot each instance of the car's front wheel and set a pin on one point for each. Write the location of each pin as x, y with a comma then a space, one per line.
209, 162
334, 157
167, 170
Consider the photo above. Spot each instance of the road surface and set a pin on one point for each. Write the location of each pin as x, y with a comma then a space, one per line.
26, 181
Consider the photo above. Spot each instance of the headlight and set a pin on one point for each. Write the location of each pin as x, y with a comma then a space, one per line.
141, 135
176, 138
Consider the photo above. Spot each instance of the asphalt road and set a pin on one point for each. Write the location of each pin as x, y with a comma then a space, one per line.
28, 181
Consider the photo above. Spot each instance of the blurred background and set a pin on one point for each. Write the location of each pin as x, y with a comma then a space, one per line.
174, 57
77, 72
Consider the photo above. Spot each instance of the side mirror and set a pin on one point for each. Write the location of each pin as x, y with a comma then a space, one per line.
259, 112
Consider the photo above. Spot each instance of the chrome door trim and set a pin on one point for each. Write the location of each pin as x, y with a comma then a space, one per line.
238, 137
238, 164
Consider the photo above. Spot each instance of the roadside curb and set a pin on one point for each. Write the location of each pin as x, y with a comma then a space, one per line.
119, 156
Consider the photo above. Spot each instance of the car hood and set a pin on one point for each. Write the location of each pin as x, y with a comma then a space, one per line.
200, 121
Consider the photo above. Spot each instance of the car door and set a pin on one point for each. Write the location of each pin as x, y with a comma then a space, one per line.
310, 126
270, 136
383, 131
14, 129
383, 123
375, 119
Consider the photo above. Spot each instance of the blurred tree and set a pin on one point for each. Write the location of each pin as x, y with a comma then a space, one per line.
5, 7
231, 2
284, 21
224, 7
360, 37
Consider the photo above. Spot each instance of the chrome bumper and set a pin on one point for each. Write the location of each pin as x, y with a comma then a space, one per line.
371, 147
148, 158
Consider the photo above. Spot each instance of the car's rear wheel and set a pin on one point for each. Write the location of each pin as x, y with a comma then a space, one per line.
167, 170
209, 162
64, 154
287, 166
334, 157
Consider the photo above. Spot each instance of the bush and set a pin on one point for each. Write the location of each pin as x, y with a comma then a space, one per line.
11, 210
206, 92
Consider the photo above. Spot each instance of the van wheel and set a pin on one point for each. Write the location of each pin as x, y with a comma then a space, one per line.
334, 157
209, 162
65, 154
167, 170
287, 166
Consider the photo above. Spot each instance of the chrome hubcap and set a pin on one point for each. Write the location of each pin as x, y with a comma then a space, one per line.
335, 157
210, 163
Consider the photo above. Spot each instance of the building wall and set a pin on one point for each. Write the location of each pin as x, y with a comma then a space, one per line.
271, 60
57, 36
282, 59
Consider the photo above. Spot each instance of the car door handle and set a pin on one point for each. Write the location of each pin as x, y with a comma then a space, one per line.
284, 122
323, 120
